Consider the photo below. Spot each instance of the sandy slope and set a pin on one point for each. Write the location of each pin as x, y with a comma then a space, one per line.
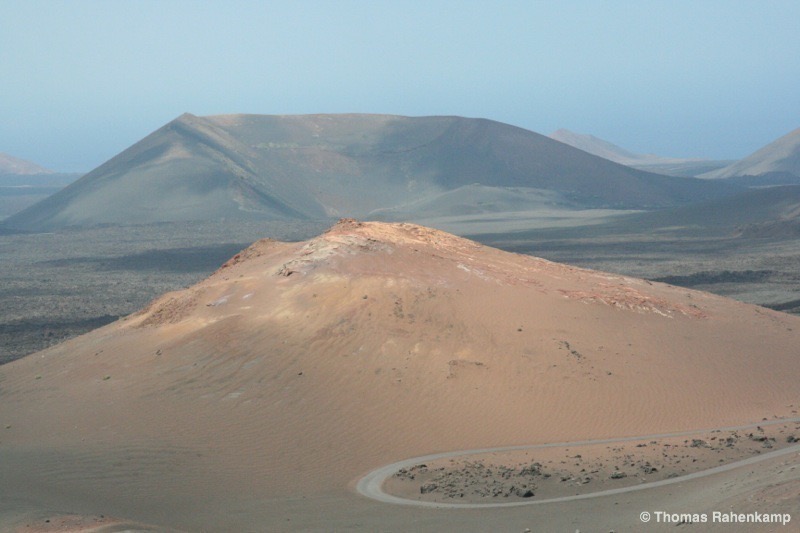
261, 395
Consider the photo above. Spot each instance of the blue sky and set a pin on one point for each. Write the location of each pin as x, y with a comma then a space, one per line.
83, 80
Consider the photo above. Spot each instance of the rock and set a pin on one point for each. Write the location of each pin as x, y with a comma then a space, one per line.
534, 469
647, 468
523, 492
428, 488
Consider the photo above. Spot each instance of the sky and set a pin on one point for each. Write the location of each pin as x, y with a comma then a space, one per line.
83, 80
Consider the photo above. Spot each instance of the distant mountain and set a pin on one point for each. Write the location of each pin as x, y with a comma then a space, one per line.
13, 165
321, 166
25, 187
23, 184
652, 163
780, 156
604, 149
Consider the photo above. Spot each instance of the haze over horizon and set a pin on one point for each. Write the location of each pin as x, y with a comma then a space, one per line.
84, 80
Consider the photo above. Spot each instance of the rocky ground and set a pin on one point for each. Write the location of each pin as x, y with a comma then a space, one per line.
565, 471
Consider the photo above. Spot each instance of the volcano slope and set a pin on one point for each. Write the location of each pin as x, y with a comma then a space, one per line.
256, 399
315, 167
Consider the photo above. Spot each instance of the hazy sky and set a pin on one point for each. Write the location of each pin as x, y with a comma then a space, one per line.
83, 80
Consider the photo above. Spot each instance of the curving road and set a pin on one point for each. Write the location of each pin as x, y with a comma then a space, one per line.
371, 485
